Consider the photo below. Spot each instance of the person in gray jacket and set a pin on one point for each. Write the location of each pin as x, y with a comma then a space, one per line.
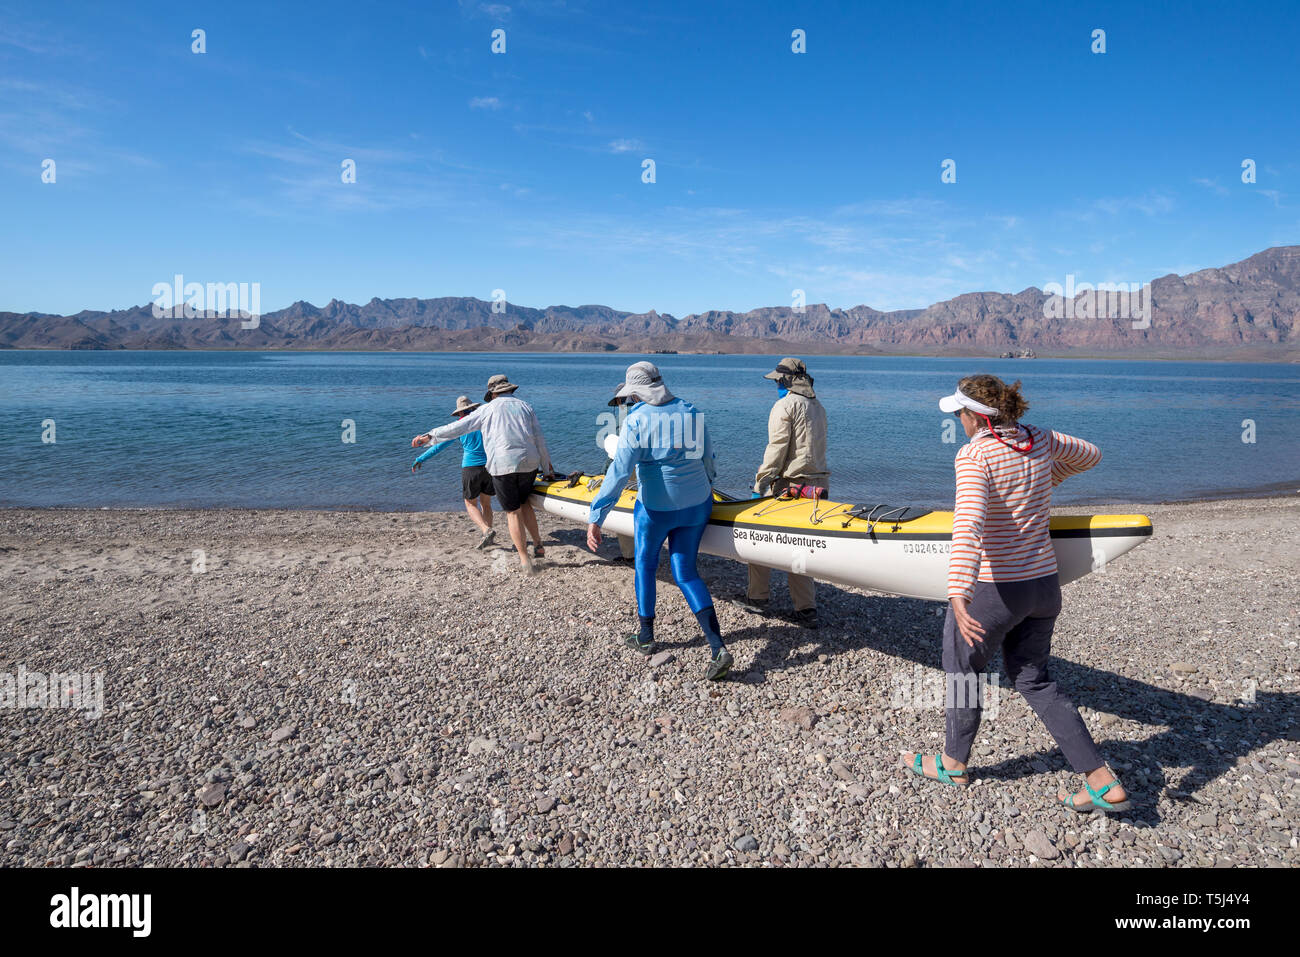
515, 451
796, 455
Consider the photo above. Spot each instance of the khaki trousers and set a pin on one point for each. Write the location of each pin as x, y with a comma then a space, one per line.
627, 546
803, 590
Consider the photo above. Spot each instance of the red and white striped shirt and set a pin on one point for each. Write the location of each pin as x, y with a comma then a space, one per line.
1000, 529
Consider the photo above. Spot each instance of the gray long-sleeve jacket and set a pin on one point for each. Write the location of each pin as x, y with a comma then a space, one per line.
512, 437
796, 443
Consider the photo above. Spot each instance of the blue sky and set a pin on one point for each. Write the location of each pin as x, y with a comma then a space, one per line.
522, 171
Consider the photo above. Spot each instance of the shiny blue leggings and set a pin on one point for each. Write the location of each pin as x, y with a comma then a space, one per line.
683, 528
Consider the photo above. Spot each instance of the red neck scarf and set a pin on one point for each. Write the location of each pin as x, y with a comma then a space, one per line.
1014, 448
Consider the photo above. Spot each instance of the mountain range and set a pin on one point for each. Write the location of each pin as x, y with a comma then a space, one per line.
1245, 310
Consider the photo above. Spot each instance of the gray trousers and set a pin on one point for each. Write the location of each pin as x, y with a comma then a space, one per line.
1017, 617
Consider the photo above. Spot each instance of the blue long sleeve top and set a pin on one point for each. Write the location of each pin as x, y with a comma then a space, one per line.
471, 444
670, 449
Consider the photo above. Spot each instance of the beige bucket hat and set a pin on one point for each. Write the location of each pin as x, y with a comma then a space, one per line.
498, 385
464, 405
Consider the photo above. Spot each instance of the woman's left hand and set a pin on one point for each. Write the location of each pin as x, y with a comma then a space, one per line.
593, 536
970, 629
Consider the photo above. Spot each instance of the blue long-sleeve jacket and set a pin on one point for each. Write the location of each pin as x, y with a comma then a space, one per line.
670, 449
471, 444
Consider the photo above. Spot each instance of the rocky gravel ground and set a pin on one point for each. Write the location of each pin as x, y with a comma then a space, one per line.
314, 689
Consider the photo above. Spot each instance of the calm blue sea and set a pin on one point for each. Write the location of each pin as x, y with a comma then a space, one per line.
265, 429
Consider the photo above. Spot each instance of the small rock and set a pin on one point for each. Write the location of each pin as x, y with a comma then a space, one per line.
566, 845
660, 658
212, 794
1038, 844
248, 724
1184, 668
1170, 854
482, 746
802, 717
841, 771
546, 804
238, 852
534, 737
283, 733
746, 843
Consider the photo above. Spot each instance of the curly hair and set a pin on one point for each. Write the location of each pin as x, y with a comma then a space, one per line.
993, 392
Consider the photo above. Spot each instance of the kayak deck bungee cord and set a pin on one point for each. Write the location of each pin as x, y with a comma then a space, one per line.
900, 550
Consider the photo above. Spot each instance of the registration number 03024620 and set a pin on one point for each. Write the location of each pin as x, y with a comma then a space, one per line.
926, 548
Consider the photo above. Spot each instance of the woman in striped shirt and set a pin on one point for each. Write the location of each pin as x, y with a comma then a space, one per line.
1003, 590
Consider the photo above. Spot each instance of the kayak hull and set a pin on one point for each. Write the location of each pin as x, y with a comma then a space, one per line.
893, 550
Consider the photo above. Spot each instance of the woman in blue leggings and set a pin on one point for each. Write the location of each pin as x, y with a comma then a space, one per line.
666, 441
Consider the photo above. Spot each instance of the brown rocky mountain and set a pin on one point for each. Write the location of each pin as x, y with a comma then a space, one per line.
1247, 310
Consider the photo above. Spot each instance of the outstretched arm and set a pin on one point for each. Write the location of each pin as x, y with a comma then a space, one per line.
453, 430
431, 452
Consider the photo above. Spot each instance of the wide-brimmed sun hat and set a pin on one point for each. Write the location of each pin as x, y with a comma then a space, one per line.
498, 385
794, 373
464, 405
643, 380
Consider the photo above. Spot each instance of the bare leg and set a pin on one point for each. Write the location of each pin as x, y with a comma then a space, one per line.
485, 506
530, 522
476, 516
516, 523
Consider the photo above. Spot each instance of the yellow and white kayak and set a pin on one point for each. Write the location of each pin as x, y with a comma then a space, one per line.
897, 550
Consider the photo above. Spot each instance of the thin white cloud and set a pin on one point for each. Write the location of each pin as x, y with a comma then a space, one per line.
626, 146
1210, 184
485, 103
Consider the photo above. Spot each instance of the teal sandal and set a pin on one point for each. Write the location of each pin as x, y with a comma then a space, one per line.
943, 773
1099, 802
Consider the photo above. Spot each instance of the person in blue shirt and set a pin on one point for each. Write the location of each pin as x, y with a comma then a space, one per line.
665, 440
475, 482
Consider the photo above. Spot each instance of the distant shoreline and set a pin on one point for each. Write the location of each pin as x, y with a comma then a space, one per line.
1288, 358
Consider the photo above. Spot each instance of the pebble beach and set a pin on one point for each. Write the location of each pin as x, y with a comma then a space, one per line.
297, 688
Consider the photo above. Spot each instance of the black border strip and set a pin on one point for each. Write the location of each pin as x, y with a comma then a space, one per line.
1136, 530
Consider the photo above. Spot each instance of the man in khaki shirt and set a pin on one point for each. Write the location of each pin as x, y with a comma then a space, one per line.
796, 455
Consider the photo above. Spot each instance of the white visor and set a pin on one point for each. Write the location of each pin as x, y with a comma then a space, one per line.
960, 400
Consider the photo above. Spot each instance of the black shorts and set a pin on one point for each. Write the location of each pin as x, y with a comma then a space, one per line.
475, 481
513, 489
